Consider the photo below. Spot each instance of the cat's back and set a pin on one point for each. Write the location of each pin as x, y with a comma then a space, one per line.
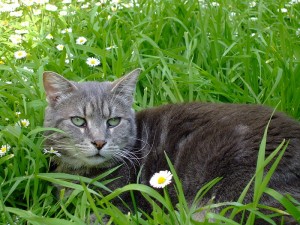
208, 140
217, 116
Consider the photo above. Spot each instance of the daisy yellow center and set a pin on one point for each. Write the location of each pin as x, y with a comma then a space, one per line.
3, 149
161, 180
93, 61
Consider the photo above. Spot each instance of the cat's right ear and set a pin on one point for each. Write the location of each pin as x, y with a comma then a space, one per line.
56, 87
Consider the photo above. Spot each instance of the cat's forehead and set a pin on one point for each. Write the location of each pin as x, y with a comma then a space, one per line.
95, 98
93, 87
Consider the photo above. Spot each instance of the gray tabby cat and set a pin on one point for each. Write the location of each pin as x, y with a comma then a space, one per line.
203, 140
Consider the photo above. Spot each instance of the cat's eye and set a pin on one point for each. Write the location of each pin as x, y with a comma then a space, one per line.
78, 121
112, 122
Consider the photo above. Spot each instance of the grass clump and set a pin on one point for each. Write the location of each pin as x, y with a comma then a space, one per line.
215, 51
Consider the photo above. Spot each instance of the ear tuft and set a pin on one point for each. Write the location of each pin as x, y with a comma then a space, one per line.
56, 86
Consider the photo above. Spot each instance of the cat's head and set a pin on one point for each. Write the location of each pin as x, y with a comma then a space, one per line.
96, 118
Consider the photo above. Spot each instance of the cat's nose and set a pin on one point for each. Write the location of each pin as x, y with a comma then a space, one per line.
99, 144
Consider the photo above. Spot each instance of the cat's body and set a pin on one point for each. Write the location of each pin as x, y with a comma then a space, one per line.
203, 140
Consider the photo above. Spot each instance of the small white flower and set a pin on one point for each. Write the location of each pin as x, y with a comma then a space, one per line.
16, 38
60, 47
51, 7
63, 13
37, 12
4, 149
282, 10
28, 69
52, 151
27, 2
298, 32
49, 36
25, 24
232, 15
81, 40
24, 123
161, 179
41, 2
92, 61
253, 18
111, 47
20, 54
67, 1
6, 7
21, 31
17, 114
85, 6
67, 30
16, 13
252, 4
215, 4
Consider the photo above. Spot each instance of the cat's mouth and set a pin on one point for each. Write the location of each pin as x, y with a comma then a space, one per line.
97, 155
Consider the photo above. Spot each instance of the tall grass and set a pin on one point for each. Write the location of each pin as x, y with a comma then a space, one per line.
227, 51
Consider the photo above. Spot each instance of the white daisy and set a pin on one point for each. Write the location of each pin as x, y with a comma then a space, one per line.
49, 36
41, 2
215, 4
27, 2
16, 39
37, 12
24, 123
63, 13
60, 47
20, 54
16, 13
51, 7
92, 61
81, 40
252, 4
161, 179
25, 24
4, 149
21, 31
283, 10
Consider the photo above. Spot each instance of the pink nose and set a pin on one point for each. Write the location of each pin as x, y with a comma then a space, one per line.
99, 144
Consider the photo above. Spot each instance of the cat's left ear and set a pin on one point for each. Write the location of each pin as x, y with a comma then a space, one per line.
125, 86
56, 87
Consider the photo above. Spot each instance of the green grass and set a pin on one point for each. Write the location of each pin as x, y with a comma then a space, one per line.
188, 50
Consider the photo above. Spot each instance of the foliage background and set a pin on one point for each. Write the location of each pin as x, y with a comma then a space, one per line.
215, 51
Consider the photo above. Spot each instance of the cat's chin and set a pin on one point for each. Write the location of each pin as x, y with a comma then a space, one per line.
87, 162
97, 161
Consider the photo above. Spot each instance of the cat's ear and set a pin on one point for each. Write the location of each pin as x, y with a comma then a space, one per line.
56, 87
125, 86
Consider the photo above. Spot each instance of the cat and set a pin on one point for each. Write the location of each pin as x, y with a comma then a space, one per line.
203, 140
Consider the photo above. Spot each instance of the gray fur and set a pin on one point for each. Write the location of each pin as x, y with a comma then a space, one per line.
203, 140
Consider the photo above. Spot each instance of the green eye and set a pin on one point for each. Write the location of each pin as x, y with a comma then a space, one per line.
78, 121
112, 122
